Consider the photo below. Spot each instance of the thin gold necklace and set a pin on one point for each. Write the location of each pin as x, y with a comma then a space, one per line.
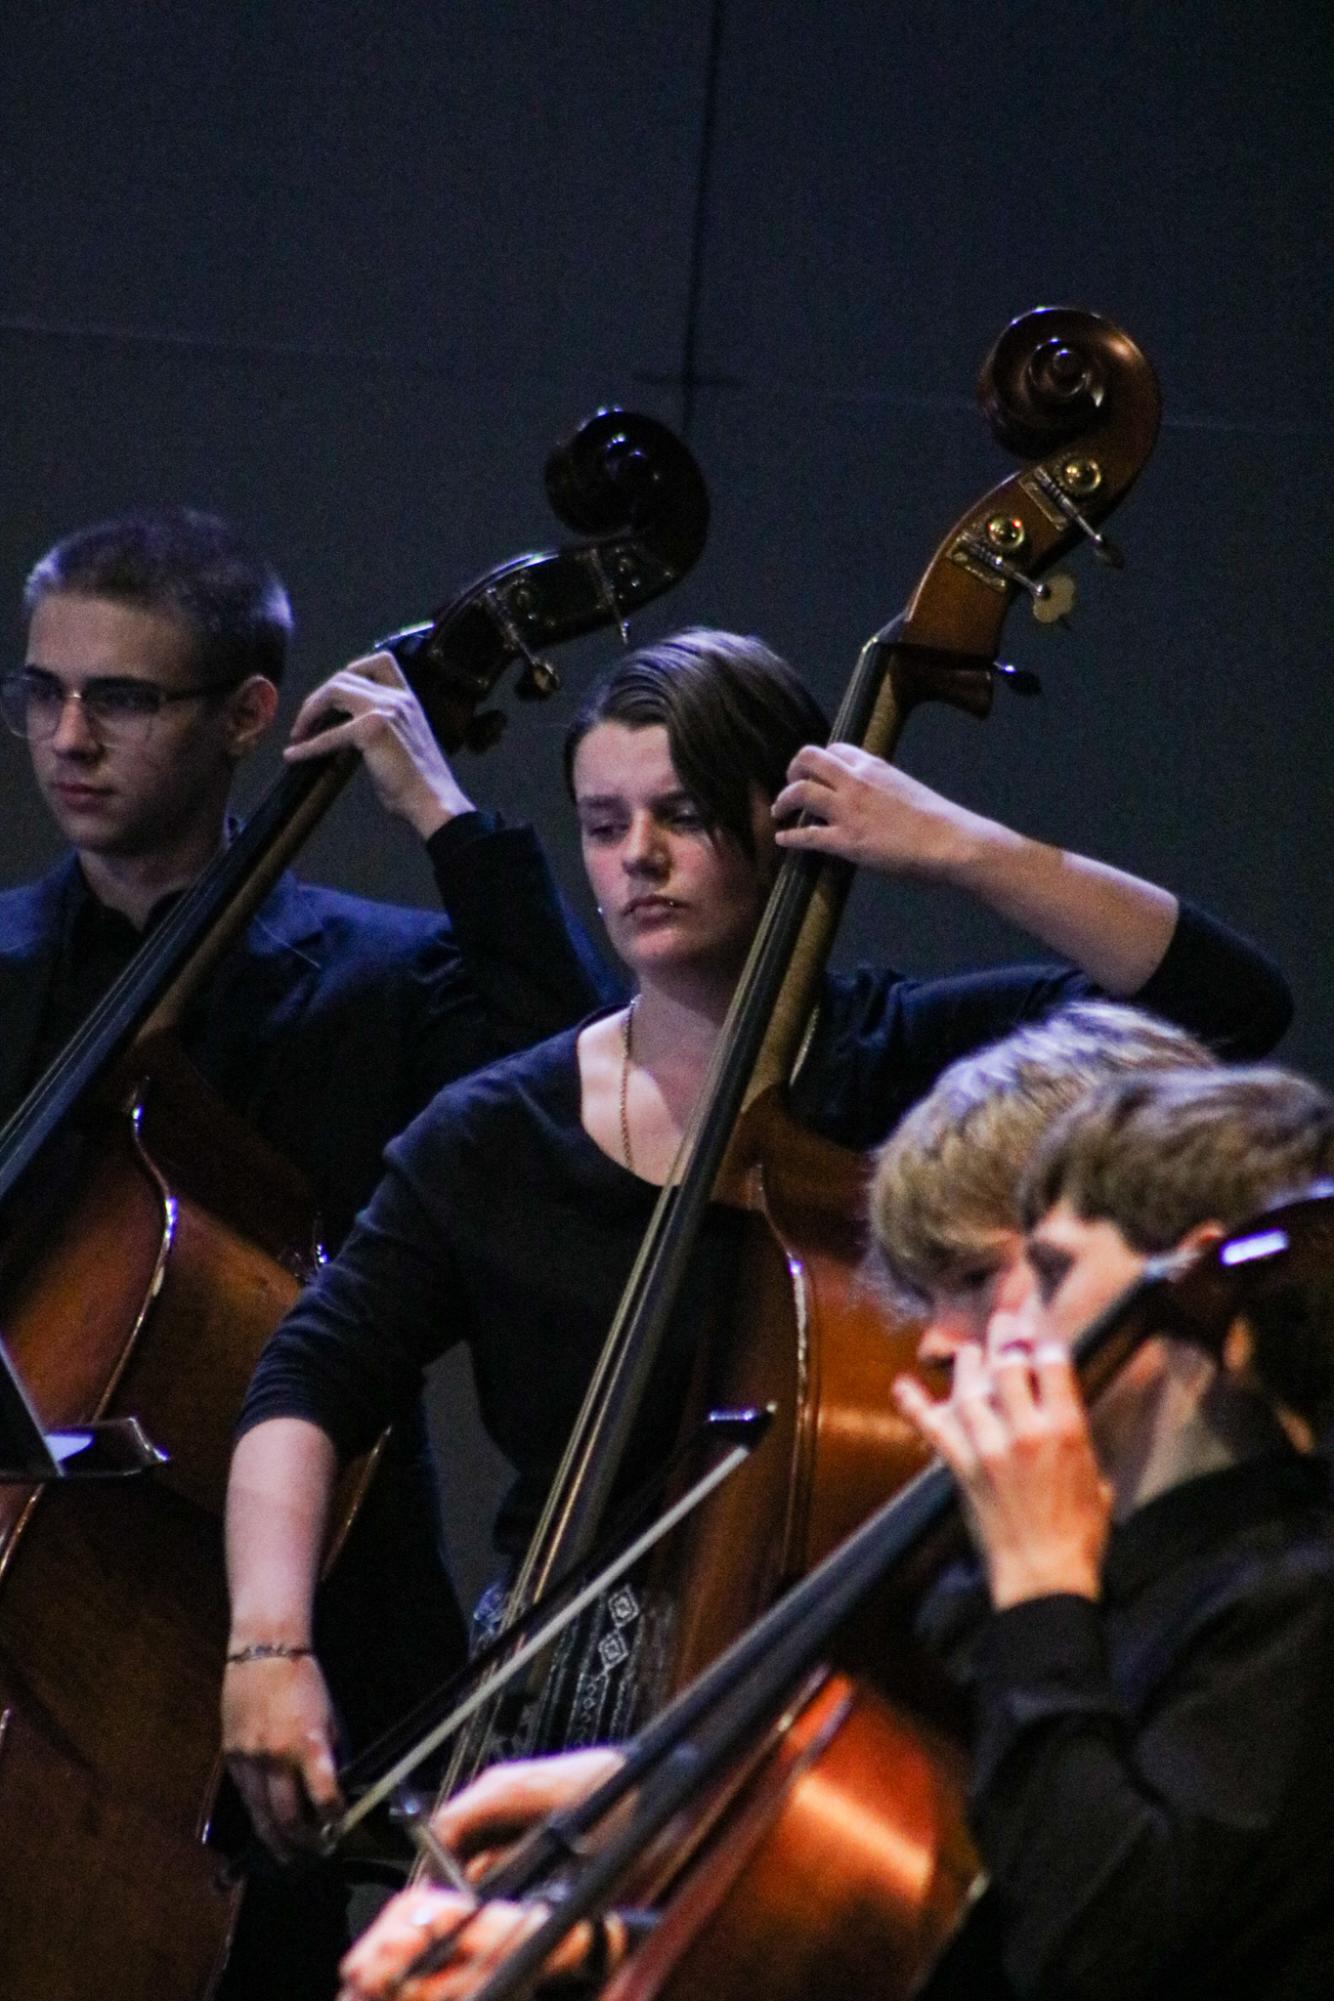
627, 1034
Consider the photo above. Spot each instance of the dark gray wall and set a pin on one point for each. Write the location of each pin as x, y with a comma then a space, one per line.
344, 272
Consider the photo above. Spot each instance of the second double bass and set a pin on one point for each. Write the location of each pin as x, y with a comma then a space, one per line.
148, 1278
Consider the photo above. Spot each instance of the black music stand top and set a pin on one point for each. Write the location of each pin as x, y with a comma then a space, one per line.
110, 1449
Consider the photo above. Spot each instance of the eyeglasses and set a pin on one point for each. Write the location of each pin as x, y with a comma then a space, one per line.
116, 708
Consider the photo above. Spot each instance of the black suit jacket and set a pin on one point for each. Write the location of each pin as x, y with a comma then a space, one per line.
334, 1020
328, 1026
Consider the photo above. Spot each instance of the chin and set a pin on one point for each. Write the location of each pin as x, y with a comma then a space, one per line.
90, 831
85, 831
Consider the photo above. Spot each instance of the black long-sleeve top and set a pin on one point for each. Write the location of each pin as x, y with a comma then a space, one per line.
1152, 1781
500, 1223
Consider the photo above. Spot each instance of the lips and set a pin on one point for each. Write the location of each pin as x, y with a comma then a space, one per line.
70, 790
80, 797
651, 906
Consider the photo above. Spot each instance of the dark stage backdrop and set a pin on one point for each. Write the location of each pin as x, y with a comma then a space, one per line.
344, 272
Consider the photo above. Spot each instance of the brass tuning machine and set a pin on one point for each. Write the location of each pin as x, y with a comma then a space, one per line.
989, 554
539, 678
1074, 479
606, 590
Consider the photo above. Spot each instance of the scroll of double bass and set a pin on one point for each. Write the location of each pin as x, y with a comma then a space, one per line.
150, 1285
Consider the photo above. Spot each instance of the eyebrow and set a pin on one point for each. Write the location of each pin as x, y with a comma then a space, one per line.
599, 801
1048, 1262
88, 677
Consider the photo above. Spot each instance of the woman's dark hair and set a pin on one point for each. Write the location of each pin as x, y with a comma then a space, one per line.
734, 712
192, 566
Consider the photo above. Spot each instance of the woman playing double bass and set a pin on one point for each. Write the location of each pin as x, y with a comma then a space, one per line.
512, 1209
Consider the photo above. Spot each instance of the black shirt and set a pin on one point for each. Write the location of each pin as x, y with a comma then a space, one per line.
500, 1222
1152, 1788
333, 1020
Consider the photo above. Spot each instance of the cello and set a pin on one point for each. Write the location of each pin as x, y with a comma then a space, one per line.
1074, 392
773, 1770
150, 1283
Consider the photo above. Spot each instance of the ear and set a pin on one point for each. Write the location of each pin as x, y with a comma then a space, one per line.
250, 711
1202, 1236
1238, 1350
1238, 1365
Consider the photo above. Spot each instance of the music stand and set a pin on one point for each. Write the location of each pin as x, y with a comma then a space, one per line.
113, 1448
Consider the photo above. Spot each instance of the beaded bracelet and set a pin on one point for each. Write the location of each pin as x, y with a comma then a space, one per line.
267, 1650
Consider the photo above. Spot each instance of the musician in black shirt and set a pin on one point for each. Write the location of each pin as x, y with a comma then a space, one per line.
1149, 1642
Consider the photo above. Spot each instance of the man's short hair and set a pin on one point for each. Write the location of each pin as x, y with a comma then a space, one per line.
947, 1179
193, 566
1159, 1155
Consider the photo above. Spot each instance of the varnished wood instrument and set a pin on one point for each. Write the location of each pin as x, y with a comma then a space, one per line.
1077, 400
148, 1280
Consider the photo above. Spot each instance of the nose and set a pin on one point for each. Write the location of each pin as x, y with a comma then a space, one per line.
72, 734
1013, 1316
945, 1333
642, 851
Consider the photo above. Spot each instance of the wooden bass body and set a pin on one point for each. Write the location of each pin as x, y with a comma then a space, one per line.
148, 1295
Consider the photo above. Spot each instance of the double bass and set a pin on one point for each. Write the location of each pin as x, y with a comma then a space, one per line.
149, 1280
1076, 398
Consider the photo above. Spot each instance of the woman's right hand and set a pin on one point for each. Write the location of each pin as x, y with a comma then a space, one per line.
507, 1801
277, 1736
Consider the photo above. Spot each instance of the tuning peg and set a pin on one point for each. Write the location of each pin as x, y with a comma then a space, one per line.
1053, 599
993, 550
606, 588
1075, 480
1019, 680
538, 680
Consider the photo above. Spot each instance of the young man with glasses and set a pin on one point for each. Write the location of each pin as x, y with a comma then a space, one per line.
155, 647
